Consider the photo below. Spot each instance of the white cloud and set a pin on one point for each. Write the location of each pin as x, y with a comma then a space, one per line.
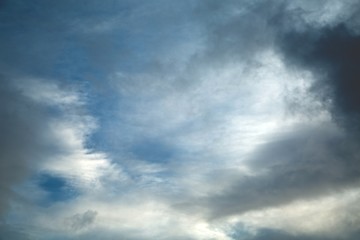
334, 216
48, 92
136, 216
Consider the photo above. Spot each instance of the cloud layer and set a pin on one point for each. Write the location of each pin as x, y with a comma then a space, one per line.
179, 120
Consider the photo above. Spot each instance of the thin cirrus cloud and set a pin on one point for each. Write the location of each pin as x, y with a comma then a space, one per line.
179, 120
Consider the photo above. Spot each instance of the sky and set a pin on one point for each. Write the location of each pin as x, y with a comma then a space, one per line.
181, 120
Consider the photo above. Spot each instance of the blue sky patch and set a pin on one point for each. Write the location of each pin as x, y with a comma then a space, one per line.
153, 150
57, 188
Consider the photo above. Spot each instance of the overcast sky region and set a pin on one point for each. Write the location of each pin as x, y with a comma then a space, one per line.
180, 120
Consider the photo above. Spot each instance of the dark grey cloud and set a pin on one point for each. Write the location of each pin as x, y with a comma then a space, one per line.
79, 221
270, 234
331, 53
238, 30
12, 233
308, 163
26, 139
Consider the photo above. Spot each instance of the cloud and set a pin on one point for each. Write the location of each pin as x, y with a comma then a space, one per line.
43, 134
330, 52
179, 120
306, 163
13, 233
330, 217
27, 139
79, 221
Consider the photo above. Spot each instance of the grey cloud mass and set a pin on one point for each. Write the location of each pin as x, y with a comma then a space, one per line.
332, 54
269, 234
304, 164
80, 221
26, 139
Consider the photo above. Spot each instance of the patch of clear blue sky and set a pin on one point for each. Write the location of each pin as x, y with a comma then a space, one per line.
57, 188
153, 150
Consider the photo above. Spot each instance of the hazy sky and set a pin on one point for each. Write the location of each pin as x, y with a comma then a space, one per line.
181, 120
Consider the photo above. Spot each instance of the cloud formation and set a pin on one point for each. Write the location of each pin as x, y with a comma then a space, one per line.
179, 120
27, 138
80, 221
